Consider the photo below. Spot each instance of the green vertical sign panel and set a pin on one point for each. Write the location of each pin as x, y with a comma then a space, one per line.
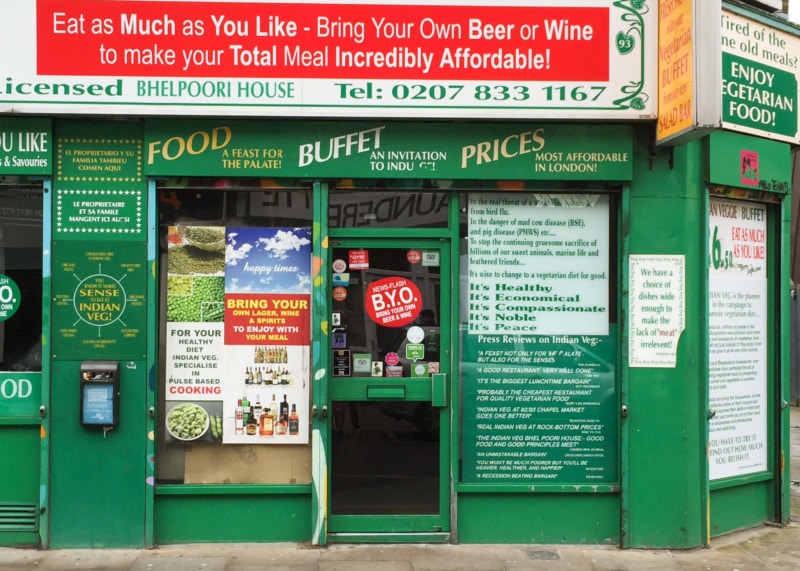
99, 308
99, 190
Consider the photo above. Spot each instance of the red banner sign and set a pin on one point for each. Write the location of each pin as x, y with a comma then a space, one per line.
299, 40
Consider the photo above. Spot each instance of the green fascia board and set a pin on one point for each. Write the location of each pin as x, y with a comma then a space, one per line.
388, 150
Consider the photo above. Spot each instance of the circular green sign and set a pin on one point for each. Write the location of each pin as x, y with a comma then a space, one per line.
99, 300
9, 297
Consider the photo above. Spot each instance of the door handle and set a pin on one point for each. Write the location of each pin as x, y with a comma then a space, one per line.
439, 390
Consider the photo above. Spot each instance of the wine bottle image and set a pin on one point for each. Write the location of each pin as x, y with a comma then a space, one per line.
273, 410
284, 410
294, 421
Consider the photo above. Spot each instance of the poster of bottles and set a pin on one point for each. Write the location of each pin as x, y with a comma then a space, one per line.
238, 335
539, 348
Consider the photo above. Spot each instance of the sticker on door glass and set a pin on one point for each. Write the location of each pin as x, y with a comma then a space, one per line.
339, 293
393, 301
415, 334
430, 259
359, 259
341, 279
9, 297
339, 265
414, 256
362, 362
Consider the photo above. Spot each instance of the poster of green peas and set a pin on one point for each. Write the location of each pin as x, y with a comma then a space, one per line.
237, 335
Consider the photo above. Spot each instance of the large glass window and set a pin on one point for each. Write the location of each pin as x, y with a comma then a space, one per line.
235, 282
538, 331
20, 277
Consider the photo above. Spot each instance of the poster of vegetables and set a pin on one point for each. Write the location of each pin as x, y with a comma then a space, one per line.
238, 334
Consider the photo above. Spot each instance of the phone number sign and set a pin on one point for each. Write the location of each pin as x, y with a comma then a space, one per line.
590, 59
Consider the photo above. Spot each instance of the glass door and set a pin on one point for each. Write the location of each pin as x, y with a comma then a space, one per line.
389, 418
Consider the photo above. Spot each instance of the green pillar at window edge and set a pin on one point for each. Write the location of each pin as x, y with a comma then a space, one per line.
784, 347
664, 433
320, 365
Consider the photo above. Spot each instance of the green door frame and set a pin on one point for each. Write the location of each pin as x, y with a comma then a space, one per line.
413, 527
322, 238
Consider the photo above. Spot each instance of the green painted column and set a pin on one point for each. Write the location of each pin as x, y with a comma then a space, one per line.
100, 275
663, 436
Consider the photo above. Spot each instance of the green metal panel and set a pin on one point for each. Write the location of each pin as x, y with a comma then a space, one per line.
664, 432
97, 478
19, 485
21, 435
539, 518
740, 507
240, 517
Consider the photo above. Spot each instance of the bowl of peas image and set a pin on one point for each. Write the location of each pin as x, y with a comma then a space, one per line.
187, 422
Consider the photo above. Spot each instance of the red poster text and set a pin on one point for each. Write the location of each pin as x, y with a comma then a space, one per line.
267, 319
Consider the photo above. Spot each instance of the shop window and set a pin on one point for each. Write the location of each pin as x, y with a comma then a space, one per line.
235, 358
20, 277
539, 335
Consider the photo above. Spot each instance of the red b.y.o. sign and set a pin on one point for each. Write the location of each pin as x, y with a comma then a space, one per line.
393, 302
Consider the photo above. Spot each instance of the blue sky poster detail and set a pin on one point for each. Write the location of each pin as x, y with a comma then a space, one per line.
268, 260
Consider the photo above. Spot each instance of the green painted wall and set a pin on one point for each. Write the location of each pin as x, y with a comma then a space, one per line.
740, 507
97, 480
538, 518
238, 518
664, 487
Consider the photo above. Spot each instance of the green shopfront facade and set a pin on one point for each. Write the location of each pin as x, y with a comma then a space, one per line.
374, 328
